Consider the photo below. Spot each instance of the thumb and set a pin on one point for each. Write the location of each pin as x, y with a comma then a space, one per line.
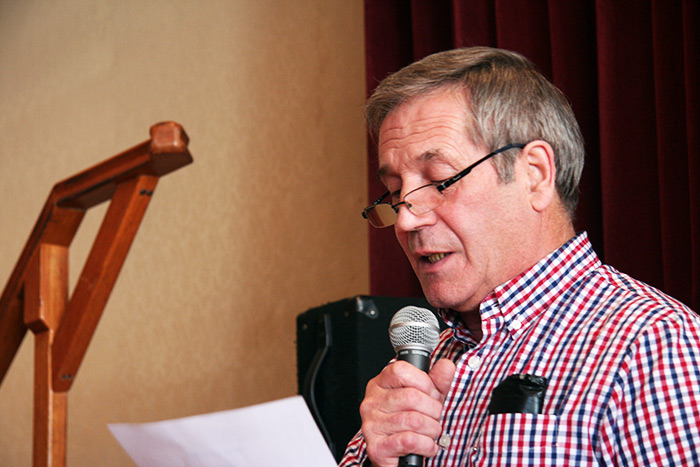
442, 374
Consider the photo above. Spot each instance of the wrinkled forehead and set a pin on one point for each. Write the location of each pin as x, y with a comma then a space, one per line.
423, 128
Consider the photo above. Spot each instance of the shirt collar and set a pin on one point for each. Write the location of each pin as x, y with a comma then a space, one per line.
516, 303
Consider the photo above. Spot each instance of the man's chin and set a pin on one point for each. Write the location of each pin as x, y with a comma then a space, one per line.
441, 298
438, 298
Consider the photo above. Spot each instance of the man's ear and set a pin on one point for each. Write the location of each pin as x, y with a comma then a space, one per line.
538, 157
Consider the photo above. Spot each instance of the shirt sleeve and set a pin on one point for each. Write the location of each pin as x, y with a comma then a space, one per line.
356, 453
654, 410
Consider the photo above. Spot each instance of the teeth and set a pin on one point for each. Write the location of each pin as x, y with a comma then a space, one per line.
435, 257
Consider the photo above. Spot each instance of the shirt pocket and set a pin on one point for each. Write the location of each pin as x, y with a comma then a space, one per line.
525, 439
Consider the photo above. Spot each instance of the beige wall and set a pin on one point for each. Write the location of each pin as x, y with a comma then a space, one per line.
264, 225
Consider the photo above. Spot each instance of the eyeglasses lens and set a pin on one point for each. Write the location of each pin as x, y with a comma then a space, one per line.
382, 215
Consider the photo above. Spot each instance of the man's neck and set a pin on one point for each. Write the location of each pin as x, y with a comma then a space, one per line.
472, 321
472, 318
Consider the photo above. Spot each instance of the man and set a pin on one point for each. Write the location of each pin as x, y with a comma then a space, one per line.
481, 157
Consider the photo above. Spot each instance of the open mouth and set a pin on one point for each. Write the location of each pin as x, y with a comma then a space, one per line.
435, 257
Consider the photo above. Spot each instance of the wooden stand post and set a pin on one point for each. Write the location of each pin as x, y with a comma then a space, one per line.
45, 299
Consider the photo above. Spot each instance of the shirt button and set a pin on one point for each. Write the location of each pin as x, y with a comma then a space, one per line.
516, 324
444, 441
474, 362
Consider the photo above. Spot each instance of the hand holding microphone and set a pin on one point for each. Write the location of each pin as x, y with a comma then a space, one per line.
403, 404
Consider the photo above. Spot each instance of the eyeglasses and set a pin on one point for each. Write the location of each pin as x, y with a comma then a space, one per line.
423, 199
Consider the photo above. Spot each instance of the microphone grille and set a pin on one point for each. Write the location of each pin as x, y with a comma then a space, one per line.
413, 326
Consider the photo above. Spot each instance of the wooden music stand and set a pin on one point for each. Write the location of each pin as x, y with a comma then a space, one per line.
36, 295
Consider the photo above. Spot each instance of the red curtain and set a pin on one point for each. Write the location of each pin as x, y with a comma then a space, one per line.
631, 69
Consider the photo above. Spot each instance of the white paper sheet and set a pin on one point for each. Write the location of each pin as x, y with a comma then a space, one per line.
279, 433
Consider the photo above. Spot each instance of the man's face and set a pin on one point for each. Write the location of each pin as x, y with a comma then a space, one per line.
471, 243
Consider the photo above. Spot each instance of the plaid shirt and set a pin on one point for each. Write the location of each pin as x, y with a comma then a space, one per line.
622, 360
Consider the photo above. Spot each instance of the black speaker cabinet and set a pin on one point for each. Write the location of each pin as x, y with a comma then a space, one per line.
340, 347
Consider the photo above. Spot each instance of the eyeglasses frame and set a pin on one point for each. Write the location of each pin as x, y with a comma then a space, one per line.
442, 185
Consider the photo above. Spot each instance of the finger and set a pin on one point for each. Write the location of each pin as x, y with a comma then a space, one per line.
382, 423
388, 450
401, 374
380, 401
442, 374
402, 387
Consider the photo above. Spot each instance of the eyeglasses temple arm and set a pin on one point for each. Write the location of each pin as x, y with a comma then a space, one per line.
452, 180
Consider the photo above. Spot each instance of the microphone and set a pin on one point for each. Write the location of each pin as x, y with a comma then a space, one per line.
414, 334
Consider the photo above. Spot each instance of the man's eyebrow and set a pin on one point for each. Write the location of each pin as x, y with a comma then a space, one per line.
424, 157
381, 173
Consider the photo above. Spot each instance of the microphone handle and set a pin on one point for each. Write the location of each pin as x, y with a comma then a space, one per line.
411, 460
421, 359
417, 357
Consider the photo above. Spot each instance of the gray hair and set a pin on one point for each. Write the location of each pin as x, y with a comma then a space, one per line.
508, 99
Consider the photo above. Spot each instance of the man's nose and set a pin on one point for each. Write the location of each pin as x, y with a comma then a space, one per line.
407, 221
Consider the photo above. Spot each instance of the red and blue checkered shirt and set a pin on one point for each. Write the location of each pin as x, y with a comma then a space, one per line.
622, 361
